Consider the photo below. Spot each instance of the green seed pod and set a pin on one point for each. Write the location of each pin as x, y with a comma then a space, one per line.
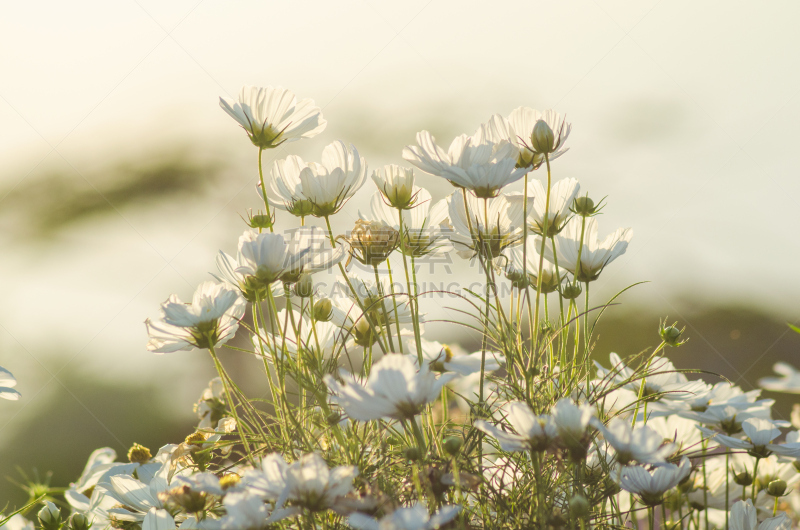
453, 445
776, 488
579, 506
584, 206
260, 221
743, 479
571, 291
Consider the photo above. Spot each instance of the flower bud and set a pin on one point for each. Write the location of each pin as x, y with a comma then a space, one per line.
50, 516
304, 287
333, 418
322, 310
79, 521
542, 138
139, 454
579, 506
743, 479
571, 291
301, 208
363, 333
671, 335
260, 221
452, 445
412, 453
776, 488
371, 242
584, 206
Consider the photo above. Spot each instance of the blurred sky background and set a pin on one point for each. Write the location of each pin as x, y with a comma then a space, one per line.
122, 177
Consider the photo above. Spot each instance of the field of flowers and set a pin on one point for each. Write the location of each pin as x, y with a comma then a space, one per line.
367, 422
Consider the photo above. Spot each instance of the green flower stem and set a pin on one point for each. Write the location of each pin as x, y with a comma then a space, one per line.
263, 187
387, 321
394, 301
413, 300
226, 387
535, 331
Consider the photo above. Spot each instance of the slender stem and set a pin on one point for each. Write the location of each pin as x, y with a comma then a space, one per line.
413, 300
394, 302
387, 321
755, 481
535, 331
263, 187
224, 377
727, 488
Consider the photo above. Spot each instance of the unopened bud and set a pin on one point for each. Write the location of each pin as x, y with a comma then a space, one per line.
584, 206
579, 506
322, 310
333, 418
79, 521
542, 138
571, 291
776, 488
743, 479
138, 454
412, 453
453, 445
260, 221
304, 287
671, 335
50, 516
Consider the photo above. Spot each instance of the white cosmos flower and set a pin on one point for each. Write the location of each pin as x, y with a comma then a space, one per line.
493, 225
134, 497
308, 483
519, 129
640, 443
533, 433
683, 432
562, 193
394, 389
98, 463
760, 433
157, 519
247, 511
594, 255
789, 380
515, 267
272, 116
422, 224
396, 185
212, 318
482, 163
210, 408
7, 384
662, 381
443, 358
320, 190
744, 516
651, 485
414, 517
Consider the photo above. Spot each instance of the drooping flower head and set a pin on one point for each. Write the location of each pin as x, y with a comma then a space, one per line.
210, 319
272, 116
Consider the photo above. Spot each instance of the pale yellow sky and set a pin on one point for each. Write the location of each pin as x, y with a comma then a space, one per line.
684, 113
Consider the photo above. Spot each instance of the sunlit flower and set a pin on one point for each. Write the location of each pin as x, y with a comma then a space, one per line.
515, 267
562, 193
98, 463
371, 242
210, 408
415, 517
212, 318
760, 433
396, 185
571, 421
272, 116
134, 497
651, 485
482, 163
789, 380
594, 255
640, 443
520, 128
533, 433
247, 511
7, 384
422, 232
443, 358
307, 483
394, 389
744, 516
662, 381
488, 227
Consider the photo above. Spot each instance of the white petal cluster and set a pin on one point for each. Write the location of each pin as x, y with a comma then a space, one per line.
414, 517
593, 255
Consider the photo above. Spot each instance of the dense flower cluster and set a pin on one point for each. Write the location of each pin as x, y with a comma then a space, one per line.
368, 423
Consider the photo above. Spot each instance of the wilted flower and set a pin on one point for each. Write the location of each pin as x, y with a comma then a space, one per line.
272, 116
594, 256
212, 318
371, 242
394, 389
